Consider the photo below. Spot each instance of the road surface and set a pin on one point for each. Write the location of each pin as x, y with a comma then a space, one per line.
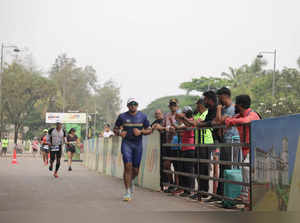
29, 193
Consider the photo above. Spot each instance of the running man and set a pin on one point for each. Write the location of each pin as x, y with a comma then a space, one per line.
56, 139
45, 147
134, 125
4, 143
72, 141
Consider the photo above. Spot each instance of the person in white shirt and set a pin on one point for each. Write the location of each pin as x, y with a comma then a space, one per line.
107, 132
56, 139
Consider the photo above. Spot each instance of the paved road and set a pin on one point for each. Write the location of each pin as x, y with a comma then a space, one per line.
29, 193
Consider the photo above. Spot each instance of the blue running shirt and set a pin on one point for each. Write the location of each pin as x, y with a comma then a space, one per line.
129, 122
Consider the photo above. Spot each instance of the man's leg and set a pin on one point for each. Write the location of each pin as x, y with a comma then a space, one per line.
136, 161
225, 155
246, 179
188, 167
58, 158
203, 170
52, 158
127, 176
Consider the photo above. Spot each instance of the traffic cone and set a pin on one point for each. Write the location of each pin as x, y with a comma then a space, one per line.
14, 160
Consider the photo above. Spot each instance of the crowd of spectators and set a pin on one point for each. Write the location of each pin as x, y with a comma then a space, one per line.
178, 127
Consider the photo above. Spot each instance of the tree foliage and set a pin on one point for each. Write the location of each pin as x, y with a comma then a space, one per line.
257, 82
162, 104
28, 95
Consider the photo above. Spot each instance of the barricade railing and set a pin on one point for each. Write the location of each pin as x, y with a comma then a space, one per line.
197, 160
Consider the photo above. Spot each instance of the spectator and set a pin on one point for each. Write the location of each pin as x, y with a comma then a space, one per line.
244, 114
202, 153
230, 135
169, 118
159, 118
210, 101
187, 152
107, 132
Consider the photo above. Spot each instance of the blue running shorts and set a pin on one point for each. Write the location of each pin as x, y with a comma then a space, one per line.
132, 152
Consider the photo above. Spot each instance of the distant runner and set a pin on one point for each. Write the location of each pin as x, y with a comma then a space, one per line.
56, 138
134, 124
4, 143
45, 147
35, 146
72, 141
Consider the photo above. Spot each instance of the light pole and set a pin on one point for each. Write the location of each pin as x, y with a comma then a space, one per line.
260, 55
15, 49
95, 123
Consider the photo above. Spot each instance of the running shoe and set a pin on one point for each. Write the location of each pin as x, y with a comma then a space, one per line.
55, 175
212, 199
194, 197
70, 168
51, 167
127, 197
178, 192
170, 190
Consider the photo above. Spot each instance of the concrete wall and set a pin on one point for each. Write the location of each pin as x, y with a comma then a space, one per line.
104, 156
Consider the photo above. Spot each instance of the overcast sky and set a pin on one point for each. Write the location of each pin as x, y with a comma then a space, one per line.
150, 47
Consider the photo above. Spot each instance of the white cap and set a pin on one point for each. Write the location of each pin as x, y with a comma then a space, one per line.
132, 100
187, 108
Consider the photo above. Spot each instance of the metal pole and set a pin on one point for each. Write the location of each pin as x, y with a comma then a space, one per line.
95, 121
86, 127
64, 86
1, 74
274, 72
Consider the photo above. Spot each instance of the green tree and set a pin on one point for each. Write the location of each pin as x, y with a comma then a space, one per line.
74, 84
162, 104
22, 90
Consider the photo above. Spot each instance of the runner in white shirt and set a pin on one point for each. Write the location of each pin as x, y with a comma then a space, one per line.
56, 138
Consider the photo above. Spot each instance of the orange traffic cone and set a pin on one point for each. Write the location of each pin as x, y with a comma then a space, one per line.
14, 160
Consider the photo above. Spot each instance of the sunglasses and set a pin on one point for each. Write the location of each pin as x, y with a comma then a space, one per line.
133, 104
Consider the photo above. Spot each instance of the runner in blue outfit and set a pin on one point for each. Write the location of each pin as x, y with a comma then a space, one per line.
131, 126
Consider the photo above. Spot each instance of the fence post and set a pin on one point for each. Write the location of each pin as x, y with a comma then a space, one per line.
251, 168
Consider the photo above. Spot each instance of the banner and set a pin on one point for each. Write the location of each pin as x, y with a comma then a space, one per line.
79, 118
275, 146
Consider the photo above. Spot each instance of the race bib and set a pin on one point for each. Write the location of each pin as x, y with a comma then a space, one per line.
45, 147
55, 148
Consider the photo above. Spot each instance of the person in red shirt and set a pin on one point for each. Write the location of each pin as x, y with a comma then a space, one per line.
187, 152
244, 114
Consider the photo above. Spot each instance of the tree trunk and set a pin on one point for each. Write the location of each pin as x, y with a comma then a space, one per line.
16, 133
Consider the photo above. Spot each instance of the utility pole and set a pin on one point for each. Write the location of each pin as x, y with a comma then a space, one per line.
260, 55
95, 123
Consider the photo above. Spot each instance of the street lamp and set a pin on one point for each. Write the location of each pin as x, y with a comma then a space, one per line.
260, 55
15, 49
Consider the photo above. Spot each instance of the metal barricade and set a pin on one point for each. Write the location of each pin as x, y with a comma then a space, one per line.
198, 161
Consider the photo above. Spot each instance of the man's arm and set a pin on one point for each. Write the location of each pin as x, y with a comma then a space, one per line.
118, 124
237, 120
146, 128
186, 121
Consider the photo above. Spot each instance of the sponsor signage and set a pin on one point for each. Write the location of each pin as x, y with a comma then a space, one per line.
79, 118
